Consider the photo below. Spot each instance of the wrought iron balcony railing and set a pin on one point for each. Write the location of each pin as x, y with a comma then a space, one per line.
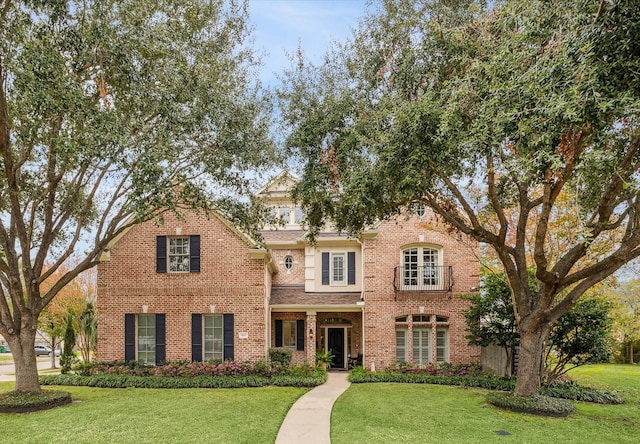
423, 278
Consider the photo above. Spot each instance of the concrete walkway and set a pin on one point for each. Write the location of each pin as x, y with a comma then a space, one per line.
309, 419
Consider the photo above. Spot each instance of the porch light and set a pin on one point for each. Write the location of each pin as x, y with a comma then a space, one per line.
311, 333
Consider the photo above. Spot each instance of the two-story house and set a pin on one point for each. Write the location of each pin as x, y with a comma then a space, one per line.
200, 289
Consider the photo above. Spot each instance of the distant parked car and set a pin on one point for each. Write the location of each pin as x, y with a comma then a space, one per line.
45, 350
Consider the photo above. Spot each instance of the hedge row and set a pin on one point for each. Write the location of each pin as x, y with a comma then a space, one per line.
566, 390
124, 381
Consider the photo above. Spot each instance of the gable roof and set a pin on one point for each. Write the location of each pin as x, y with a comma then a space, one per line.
278, 187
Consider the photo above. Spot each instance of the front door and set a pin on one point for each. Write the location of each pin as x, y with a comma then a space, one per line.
335, 343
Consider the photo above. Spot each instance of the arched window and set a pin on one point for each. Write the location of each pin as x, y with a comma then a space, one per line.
428, 334
422, 268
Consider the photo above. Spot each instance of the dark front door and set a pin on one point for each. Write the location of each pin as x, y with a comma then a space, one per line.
336, 345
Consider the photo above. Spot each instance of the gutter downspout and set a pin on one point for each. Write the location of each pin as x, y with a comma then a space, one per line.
267, 311
362, 300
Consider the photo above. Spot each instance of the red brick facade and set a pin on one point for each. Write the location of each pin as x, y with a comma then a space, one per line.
354, 317
230, 281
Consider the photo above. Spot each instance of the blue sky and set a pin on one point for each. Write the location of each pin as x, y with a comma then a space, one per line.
281, 25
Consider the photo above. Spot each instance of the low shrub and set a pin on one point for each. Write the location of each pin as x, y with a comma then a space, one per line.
440, 369
566, 390
123, 381
188, 369
360, 375
22, 402
535, 405
280, 356
571, 390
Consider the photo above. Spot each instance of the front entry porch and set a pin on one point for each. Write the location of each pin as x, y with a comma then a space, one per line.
340, 333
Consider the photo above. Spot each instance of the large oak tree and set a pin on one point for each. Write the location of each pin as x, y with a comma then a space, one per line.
488, 114
112, 112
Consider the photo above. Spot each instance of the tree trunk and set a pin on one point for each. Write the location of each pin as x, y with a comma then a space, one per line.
529, 373
53, 352
631, 352
24, 358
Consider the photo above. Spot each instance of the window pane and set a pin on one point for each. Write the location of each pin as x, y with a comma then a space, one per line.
401, 345
289, 334
421, 353
285, 214
147, 339
288, 262
213, 337
430, 263
338, 271
299, 215
410, 266
178, 254
442, 344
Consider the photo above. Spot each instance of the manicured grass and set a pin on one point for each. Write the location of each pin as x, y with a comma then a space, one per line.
249, 415
6, 358
387, 412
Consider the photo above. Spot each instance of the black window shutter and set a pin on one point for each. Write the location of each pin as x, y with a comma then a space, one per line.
161, 348
278, 332
325, 268
129, 337
227, 331
196, 337
351, 268
300, 335
194, 254
161, 254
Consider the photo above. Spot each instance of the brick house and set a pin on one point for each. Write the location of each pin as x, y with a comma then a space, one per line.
199, 289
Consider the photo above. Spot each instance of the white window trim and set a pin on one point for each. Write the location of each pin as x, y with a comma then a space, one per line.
221, 329
186, 261
446, 344
345, 270
138, 356
404, 347
420, 264
425, 357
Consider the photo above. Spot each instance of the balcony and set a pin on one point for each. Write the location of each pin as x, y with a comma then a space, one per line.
423, 278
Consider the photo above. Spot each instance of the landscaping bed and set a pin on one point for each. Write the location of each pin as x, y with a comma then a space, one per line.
26, 402
213, 374
472, 376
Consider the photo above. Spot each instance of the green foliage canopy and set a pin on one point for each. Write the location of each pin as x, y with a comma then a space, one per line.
112, 112
488, 114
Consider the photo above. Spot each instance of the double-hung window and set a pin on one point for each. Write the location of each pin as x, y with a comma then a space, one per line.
178, 254
338, 268
421, 349
144, 338
213, 337
401, 344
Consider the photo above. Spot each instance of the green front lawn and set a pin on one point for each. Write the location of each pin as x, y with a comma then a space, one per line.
387, 412
250, 415
365, 413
